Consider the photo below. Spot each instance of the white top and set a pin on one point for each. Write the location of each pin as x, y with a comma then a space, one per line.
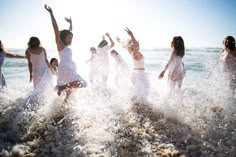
139, 63
40, 71
67, 68
229, 62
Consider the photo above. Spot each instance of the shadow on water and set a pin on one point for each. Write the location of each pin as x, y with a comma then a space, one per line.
145, 131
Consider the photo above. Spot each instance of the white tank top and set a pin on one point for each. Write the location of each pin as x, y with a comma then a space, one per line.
139, 63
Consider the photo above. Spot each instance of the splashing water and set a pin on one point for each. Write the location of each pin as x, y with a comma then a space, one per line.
197, 121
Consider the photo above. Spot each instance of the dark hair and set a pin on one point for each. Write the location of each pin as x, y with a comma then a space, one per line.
93, 49
114, 52
34, 42
229, 43
178, 44
52, 60
102, 43
63, 35
1, 48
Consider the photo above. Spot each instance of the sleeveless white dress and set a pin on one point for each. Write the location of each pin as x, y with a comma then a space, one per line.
102, 65
2, 79
229, 67
176, 71
67, 68
140, 81
42, 78
121, 72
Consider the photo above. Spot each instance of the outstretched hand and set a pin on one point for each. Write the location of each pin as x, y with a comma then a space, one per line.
48, 8
68, 20
128, 31
118, 39
30, 78
107, 34
161, 75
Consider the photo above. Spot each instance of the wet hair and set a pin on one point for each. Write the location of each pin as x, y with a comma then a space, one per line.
34, 42
178, 44
102, 43
1, 48
114, 52
52, 60
93, 50
63, 35
230, 44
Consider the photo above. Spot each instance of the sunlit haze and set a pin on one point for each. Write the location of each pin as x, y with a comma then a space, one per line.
202, 23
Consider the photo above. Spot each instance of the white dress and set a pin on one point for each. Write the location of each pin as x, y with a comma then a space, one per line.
2, 79
122, 72
176, 70
93, 69
229, 67
67, 68
42, 78
102, 62
140, 80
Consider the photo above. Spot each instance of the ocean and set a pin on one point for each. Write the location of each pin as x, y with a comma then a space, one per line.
198, 121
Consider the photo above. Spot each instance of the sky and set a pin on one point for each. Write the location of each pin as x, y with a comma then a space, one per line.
201, 23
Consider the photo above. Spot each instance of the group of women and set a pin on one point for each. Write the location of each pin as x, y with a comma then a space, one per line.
40, 70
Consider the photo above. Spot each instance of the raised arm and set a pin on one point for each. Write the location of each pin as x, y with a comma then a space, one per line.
134, 41
59, 43
112, 42
29, 64
69, 20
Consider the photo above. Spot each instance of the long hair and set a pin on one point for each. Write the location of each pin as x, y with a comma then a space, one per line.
102, 43
63, 35
34, 42
1, 48
114, 52
178, 44
52, 60
229, 43
93, 50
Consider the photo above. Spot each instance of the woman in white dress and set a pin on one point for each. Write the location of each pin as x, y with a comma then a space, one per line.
139, 77
175, 65
228, 57
40, 70
121, 70
4, 53
67, 75
92, 66
102, 57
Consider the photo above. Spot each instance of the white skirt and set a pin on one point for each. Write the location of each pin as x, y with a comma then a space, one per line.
141, 84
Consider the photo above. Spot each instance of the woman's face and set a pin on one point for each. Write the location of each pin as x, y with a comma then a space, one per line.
68, 39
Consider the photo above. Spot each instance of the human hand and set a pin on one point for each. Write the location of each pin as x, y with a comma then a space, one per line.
118, 39
128, 31
30, 77
48, 8
161, 74
68, 20
107, 34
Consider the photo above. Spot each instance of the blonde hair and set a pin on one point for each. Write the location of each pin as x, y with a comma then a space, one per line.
127, 44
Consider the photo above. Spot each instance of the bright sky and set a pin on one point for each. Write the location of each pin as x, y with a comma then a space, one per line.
201, 23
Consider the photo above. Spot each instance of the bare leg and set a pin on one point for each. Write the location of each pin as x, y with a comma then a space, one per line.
68, 92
